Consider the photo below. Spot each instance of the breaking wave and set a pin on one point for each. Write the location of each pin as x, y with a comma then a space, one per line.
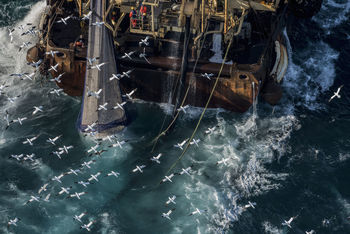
249, 142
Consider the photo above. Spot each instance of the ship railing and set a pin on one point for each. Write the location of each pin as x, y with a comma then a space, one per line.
140, 24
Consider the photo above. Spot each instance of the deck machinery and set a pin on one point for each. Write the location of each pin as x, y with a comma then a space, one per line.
178, 48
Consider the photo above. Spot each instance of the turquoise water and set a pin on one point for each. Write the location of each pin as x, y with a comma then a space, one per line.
294, 161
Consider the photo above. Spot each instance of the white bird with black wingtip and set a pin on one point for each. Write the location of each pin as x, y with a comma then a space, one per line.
139, 168
79, 217
336, 94
180, 145
171, 200
53, 140
30, 140
156, 158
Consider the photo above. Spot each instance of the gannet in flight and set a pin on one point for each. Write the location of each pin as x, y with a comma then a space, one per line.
143, 55
98, 24
87, 164
64, 20
13, 222
10, 34
180, 145
183, 108
115, 76
90, 127
13, 99
95, 94
171, 200
98, 66
52, 141
24, 44
20, 75
29, 157
71, 171
92, 60
21, 27
58, 78
289, 222
250, 204
167, 215
325, 222
210, 130
128, 55
83, 183
53, 68
156, 158
87, 226
28, 76
32, 198
195, 142
47, 197
102, 107
208, 76
224, 160
37, 109
94, 177
167, 178
93, 148
6, 117
120, 106
128, 95
87, 16
56, 91
109, 138
336, 94
139, 168
77, 195
144, 41
127, 74
2, 87
197, 211
113, 173
58, 178
16, 156
30, 140
78, 217
19, 120
35, 64
43, 188
186, 171
118, 144
29, 31
310, 232
52, 53
65, 148
58, 154
64, 190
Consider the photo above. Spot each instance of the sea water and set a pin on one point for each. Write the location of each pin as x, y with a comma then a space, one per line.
290, 162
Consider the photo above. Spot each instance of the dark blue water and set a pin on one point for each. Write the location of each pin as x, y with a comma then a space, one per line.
290, 162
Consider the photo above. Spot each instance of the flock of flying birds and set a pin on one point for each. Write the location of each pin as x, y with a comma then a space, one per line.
94, 150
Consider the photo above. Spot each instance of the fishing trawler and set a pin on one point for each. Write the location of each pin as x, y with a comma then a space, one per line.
176, 51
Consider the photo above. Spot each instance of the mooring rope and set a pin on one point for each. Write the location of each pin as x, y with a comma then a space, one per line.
162, 133
203, 112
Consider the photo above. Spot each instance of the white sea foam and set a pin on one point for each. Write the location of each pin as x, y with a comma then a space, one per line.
248, 141
13, 61
315, 74
270, 229
332, 14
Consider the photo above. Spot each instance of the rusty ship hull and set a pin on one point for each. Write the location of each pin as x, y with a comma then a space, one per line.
255, 72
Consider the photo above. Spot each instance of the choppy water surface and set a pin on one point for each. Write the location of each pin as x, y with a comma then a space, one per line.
290, 162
